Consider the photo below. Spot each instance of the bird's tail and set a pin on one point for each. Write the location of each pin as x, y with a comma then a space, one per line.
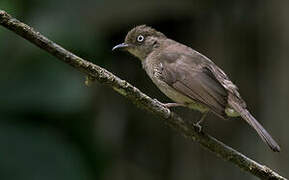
265, 136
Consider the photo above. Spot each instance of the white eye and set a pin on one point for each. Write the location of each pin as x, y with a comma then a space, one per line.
140, 38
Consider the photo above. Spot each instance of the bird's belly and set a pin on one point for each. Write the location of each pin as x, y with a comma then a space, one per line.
178, 97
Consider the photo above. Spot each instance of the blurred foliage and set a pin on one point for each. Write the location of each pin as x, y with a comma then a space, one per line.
54, 127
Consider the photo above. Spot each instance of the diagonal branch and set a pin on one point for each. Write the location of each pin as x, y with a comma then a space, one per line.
143, 101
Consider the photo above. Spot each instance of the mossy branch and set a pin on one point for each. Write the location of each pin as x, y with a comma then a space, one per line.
143, 101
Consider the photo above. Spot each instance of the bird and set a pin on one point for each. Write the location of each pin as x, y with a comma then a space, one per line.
189, 78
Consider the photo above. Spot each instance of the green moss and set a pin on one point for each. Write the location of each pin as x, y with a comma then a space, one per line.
120, 91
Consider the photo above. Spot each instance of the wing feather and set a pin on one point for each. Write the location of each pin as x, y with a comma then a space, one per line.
196, 82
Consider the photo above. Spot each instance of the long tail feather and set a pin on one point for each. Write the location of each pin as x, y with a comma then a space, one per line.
265, 136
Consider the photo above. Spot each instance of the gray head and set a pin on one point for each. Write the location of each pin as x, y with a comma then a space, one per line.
141, 41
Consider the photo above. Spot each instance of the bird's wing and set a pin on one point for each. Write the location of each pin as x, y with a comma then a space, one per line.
197, 77
195, 80
221, 77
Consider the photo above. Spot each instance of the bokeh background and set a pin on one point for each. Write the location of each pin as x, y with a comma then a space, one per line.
54, 127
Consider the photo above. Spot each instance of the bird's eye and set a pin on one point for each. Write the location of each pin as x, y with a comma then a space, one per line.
140, 38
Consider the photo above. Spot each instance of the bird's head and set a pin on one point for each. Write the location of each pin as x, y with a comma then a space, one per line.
141, 41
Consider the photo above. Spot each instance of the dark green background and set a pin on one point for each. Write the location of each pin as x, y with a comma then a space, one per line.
54, 127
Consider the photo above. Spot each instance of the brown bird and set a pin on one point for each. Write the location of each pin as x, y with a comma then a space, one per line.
189, 78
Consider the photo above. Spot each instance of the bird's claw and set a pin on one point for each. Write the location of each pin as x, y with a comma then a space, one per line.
198, 126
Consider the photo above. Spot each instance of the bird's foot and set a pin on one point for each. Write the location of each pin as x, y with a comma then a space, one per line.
198, 126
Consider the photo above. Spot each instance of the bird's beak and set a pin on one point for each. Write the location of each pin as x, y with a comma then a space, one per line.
121, 46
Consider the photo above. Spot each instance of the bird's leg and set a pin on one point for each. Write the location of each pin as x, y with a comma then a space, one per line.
198, 124
170, 105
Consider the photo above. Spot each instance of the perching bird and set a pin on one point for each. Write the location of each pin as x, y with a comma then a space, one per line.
189, 78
